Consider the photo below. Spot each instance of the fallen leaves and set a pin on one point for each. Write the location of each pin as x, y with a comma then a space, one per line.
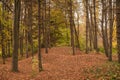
59, 64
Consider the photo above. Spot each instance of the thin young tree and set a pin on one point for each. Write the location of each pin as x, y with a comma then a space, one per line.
111, 30
87, 25
71, 26
21, 41
46, 27
95, 28
49, 16
39, 35
30, 24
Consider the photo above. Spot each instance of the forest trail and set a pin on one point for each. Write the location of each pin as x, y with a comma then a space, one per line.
58, 64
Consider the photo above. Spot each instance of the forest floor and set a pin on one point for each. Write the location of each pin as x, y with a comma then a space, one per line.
60, 64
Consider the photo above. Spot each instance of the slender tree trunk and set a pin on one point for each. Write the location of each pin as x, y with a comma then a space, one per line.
102, 29
43, 26
95, 27
21, 32
87, 26
71, 28
46, 27
90, 36
16, 36
78, 24
39, 35
30, 24
66, 23
118, 27
26, 28
49, 16
76, 35
111, 29
91, 28
106, 31
26, 33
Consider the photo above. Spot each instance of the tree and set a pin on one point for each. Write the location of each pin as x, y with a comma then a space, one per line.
39, 35
30, 24
95, 28
118, 27
91, 30
46, 26
26, 26
87, 25
104, 30
71, 26
111, 29
17, 5
49, 16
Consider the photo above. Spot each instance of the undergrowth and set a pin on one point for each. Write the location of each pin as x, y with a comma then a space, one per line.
108, 71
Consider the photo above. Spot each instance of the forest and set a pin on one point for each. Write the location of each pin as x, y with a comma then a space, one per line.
59, 39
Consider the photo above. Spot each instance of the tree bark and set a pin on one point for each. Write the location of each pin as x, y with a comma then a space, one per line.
30, 25
39, 35
111, 29
118, 27
95, 28
46, 27
102, 29
71, 28
16, 36
87, 26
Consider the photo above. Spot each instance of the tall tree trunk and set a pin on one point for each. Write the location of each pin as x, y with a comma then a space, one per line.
71, 28
91, 28
111, 29
30, 24
106, 30
95, 28
102, 29
66, 22
49, 16
87, 25
43, 26
26, 28
16, 36
118, 27
21, 31
39, 35
46, 27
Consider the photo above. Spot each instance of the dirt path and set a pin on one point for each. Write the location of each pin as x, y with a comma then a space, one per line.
58, 64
